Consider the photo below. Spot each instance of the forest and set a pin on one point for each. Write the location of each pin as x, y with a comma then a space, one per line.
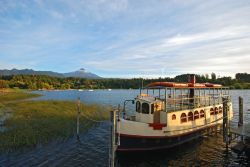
38, 82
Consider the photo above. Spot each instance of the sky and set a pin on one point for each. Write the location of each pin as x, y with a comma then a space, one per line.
126, 38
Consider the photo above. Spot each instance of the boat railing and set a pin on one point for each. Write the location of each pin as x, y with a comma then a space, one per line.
128, 110
174, 104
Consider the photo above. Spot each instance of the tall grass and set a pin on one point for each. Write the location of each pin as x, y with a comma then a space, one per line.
39, 122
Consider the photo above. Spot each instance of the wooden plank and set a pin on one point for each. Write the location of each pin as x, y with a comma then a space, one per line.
243, 130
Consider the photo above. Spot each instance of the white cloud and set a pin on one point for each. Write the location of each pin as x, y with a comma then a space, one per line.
150, 38
220, 51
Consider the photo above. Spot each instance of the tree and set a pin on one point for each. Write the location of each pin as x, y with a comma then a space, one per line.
46, 86
207, 76
213, 77
4, 84
243, 77
65, 86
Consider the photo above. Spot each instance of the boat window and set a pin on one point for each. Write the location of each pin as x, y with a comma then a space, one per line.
145, 108
190, 116
183, 118
196, 115
211, 111
173, 117
216, 110
152, 108
138, 106
202, 114
220, 109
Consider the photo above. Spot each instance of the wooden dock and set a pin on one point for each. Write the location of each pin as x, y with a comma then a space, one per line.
243, 130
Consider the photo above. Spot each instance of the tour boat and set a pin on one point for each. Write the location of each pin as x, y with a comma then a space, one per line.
167, 114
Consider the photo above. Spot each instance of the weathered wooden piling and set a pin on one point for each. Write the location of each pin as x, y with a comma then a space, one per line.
225, 121
240, 123
78, 118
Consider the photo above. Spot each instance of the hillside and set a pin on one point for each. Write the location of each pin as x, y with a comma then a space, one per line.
82, 73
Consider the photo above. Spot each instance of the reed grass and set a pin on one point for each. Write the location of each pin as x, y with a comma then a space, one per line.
8, 95
38, 122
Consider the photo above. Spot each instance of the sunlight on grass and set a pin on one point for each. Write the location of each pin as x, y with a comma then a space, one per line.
39, 122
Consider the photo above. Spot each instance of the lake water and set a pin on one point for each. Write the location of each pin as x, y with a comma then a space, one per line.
92, 150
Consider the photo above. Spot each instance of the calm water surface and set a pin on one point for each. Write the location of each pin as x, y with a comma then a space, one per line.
92, 150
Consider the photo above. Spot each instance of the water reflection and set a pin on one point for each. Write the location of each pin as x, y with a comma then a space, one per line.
93, 148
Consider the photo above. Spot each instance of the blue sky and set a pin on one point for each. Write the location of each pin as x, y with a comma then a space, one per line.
126, 38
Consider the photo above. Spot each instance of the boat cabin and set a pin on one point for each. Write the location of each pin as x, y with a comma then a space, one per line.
155, 102
148, 108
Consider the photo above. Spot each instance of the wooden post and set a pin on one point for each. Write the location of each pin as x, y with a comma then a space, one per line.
78, 118
225, 121
165, 101
215, 129
240, 123
209, 97
112, 138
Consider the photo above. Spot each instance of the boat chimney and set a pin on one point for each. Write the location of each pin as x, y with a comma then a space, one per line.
191, 79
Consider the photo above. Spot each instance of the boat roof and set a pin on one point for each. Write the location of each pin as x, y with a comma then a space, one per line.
179, 85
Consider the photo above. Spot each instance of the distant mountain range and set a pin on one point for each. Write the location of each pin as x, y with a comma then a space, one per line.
81, 73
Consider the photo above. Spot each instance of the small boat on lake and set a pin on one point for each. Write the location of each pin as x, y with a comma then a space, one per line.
91, 90
167, 114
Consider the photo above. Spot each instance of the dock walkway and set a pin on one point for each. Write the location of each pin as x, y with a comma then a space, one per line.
243, 130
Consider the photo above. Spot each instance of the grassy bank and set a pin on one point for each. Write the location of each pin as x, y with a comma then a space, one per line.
39, 122
12, 95
8, 95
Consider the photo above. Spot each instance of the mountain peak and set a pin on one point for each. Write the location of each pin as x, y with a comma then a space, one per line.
82, 73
